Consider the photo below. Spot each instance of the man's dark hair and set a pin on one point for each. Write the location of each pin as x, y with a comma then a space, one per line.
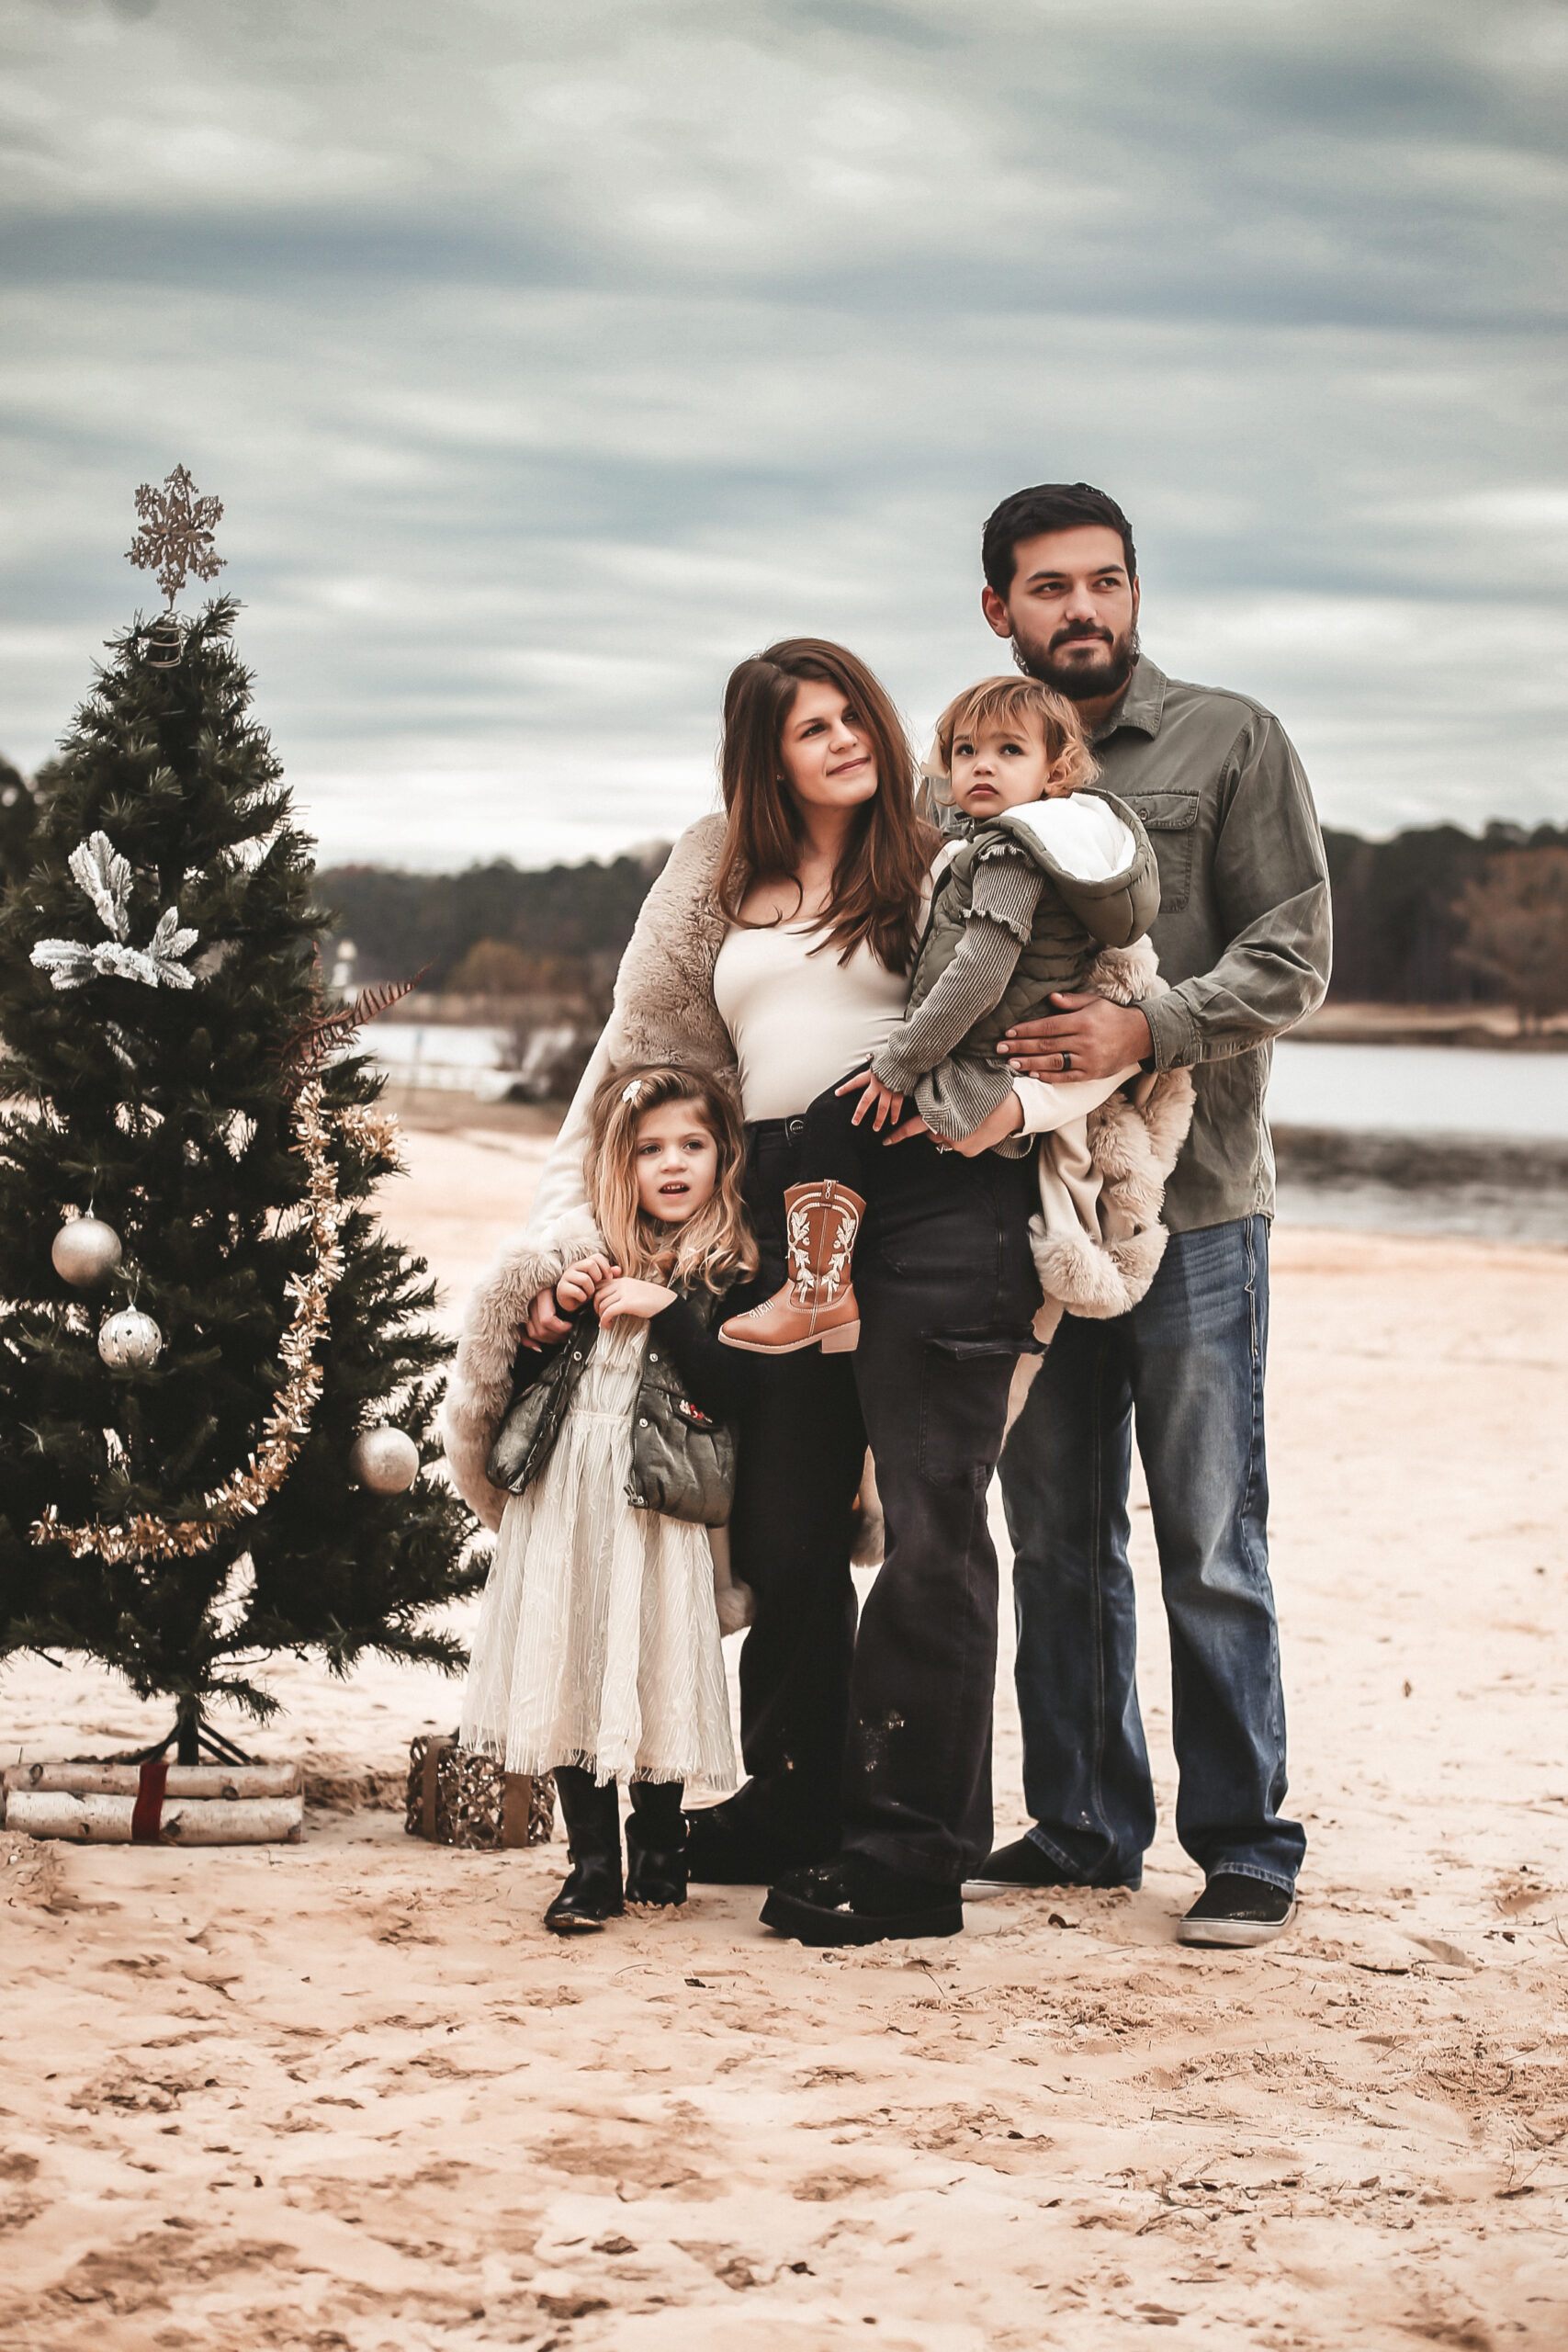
1049, 506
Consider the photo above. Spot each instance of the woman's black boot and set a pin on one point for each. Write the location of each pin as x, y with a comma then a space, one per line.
592, 1892
655, 1843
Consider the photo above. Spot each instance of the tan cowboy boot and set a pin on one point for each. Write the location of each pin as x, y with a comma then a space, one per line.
816, 1304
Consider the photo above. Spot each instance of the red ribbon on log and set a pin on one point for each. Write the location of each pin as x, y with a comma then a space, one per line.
146, 1821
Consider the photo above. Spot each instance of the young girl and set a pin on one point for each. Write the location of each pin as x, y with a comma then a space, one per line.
1050, 874
597, 1655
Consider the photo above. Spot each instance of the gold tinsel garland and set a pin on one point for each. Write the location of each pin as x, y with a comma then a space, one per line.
287, 1425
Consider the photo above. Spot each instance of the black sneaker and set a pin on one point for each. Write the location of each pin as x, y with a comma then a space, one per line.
854, 1899
1239, 1911
1022, 1864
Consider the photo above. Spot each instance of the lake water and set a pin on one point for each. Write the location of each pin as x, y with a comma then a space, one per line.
1419, 1090
1423, 1092
1398, 1089
439, 1054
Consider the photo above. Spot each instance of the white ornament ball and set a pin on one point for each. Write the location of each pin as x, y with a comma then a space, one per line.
385, 1460
86, 1251
130, 1341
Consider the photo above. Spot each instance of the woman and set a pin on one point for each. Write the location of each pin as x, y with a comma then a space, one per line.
777, 942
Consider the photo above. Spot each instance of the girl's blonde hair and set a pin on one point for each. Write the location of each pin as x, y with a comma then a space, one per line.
1010, 700
716, 1246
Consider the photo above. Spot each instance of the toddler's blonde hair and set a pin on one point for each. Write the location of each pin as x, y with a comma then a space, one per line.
714, 1247
1010, 700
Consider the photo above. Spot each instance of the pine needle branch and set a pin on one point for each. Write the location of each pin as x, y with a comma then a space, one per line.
314, 1042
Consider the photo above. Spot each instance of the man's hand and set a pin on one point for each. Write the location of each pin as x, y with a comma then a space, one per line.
579, 1281
875, 1097
1090, 1037
543, 1323
625, 1296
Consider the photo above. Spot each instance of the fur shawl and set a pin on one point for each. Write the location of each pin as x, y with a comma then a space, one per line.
664, 1012
1100, 1260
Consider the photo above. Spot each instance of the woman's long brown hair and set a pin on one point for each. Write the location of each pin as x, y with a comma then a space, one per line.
714, 1247
876, 886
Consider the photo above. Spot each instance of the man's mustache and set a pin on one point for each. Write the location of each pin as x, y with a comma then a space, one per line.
1079, 632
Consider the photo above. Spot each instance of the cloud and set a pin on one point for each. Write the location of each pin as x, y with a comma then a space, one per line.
549, 361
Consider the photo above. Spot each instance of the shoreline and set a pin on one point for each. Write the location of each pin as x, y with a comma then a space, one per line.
1489, 1028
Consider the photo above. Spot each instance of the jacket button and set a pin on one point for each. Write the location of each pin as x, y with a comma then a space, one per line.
577, 1355
653, 1355
642, 1425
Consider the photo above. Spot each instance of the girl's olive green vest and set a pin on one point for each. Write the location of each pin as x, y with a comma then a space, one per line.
682, 1461
1073, 920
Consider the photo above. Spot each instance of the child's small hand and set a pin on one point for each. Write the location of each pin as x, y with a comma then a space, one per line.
624, 1296
579, 1281
875, 1097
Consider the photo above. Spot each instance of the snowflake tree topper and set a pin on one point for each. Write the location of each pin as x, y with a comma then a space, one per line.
177, 534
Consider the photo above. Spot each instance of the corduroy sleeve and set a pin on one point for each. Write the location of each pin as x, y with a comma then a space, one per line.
1007, 891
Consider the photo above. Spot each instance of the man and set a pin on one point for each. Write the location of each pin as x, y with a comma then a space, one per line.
1243, 938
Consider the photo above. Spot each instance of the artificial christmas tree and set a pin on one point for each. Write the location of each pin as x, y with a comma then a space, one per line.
179, 1414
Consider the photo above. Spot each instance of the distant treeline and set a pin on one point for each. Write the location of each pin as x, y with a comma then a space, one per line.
497, 930
503, 929
1397, 936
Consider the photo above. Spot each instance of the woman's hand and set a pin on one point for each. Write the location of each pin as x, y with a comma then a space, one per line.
542, 1324
624, 1296
1005, 1120
874, 1098
579, 1281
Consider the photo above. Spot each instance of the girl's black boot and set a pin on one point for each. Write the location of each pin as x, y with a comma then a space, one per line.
591, 1892
655, 1843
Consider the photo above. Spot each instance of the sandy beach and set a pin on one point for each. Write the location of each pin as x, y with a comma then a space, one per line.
350, 2095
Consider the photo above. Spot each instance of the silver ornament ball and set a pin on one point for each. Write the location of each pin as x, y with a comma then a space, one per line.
385, 1460
130, 1341
86, 1251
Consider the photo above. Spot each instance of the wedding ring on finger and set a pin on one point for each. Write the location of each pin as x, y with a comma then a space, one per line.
1067, 1062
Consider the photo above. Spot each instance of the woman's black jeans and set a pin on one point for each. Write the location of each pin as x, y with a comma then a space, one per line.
882, 1743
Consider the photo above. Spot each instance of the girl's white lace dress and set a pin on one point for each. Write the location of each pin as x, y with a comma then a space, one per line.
598, 1641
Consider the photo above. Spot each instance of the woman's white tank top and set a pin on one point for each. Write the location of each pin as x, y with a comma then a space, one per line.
799, 1021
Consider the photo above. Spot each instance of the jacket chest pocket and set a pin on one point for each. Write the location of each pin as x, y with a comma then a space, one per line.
1170, 819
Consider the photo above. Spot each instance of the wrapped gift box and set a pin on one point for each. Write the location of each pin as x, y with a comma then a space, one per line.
460, 1799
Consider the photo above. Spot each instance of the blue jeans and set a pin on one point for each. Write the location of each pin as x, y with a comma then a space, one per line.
1187, 1366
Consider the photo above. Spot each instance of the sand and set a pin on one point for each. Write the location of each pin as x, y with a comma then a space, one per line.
349, 2093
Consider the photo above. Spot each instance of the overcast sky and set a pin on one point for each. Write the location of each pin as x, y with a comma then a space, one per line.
549, 357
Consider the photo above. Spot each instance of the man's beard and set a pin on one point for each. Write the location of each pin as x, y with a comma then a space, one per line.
1081, 681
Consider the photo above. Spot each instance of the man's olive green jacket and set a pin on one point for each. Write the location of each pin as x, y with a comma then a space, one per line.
1243, 933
